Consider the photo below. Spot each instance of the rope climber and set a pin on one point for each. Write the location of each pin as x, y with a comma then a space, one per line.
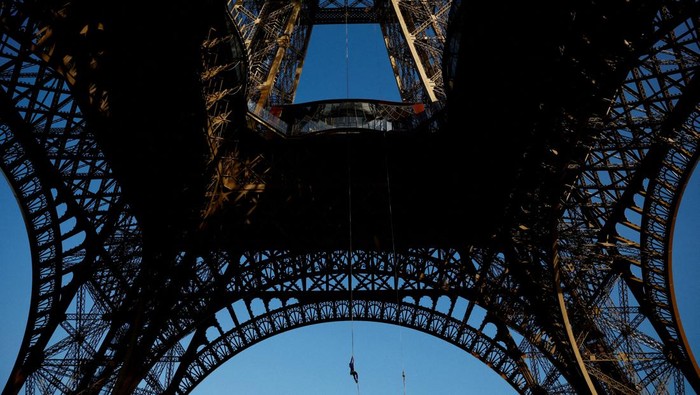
353, 373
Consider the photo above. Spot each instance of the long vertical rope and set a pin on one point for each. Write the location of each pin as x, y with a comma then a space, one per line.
394, 260
347, 54
350, 263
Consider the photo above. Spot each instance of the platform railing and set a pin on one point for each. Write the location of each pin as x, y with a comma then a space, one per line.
345, 115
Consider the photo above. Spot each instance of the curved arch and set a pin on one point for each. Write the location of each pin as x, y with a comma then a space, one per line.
430, 278
482, 280
75, 218
214, 354
42, 229
85, 244
663, 202
616, 245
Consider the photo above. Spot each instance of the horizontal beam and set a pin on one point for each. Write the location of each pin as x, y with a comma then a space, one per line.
342, 15
387, 295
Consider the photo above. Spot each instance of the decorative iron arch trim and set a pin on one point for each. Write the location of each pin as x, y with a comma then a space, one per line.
264, 276
665, 193
216, 353
645, 146
42, 228
442, 272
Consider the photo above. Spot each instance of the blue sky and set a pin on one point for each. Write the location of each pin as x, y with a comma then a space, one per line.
314, 360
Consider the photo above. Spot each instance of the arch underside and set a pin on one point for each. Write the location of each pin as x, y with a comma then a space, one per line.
613, 245
512, 369
431, 299
82, 238
616, 227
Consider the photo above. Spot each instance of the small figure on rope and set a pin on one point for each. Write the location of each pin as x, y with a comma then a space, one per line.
353, 373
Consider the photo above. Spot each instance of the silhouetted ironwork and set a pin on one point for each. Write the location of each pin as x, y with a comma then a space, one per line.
180, 208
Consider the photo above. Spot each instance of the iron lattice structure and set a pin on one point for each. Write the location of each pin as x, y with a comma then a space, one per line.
277, 34
167, 212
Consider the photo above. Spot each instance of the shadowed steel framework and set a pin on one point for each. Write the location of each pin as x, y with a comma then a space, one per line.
518, 203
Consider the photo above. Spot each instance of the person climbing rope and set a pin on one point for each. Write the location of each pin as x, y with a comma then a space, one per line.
353, 373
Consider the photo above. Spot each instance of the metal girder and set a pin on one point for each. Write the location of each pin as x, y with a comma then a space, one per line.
224, 78
277, 34
582, 277
410, 37
262, 276
649, 132
276, 37
372, 286
82, 237
213, 353
415, 37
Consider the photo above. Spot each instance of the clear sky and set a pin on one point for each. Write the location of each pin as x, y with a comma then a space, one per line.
314, 360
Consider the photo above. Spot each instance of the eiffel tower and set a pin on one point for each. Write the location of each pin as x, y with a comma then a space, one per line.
181, 207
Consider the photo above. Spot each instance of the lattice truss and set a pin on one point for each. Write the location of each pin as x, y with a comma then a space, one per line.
85, 245
617, 225
277, 34
223, 80
605, 320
